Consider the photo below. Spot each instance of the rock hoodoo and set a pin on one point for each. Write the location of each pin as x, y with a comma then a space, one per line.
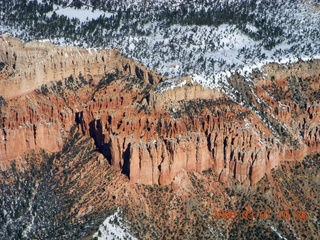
149, 133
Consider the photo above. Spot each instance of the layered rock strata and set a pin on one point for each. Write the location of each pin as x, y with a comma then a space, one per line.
35, 63
152, 135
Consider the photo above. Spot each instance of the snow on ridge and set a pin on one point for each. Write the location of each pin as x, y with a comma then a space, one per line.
84, 14
276, 231
232, 50
251, 28
171, 84
210, 54
44, 40
114, 227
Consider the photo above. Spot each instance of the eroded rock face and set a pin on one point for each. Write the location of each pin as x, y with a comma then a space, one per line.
148, 134
35, 63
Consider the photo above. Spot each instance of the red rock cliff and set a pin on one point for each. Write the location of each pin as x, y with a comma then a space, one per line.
35, 63
151, 135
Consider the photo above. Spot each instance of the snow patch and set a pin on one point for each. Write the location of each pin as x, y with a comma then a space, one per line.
83, 14
114, 227
276, 231
251, 28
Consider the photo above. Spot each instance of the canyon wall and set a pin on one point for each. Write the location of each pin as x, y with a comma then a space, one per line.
152, 135
35, 63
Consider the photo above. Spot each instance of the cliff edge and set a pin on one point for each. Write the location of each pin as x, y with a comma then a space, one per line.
148, 132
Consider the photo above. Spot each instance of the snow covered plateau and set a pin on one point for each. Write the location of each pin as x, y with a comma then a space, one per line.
209, 40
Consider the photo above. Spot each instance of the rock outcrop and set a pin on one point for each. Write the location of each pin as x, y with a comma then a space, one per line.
35, 63
152, 135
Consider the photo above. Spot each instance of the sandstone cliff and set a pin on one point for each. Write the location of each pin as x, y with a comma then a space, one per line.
35, 63
148, 134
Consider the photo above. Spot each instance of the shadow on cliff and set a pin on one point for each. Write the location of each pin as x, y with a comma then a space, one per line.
95, 131
126, 161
